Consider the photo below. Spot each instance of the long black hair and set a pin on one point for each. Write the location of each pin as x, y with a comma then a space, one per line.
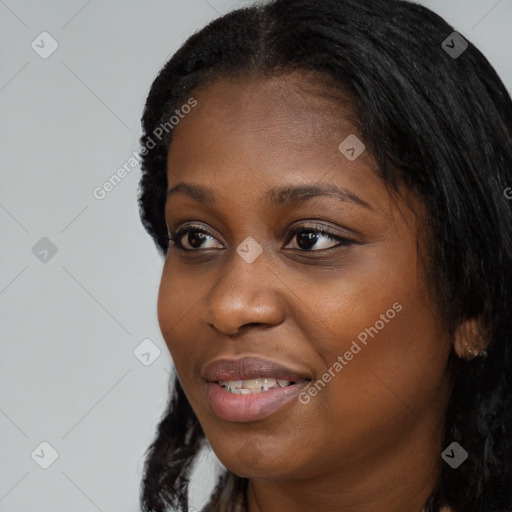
437, 122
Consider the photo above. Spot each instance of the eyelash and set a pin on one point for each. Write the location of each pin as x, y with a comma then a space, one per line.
176, 236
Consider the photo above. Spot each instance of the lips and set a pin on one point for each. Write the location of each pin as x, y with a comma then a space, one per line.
244, 405
251, 368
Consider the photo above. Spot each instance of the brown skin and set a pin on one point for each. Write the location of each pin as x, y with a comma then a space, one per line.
371, 440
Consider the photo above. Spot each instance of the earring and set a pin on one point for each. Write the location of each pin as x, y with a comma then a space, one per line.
473, 355
468, 349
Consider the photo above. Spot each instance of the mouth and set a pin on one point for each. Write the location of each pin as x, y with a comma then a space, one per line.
251, 389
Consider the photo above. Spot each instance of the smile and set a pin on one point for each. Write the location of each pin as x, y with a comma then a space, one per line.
251, 388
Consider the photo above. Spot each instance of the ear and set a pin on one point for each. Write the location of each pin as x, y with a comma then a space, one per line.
470, 339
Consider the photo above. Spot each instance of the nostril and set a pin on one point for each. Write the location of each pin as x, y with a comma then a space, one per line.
252, 324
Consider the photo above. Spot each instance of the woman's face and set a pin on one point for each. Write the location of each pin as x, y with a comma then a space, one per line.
327, 285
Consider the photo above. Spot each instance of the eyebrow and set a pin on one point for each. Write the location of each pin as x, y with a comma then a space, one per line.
279, 196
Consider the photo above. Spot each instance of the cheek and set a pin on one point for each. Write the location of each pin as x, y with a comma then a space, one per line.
394, 353
175, 307
395, 382
166, 304
180, 305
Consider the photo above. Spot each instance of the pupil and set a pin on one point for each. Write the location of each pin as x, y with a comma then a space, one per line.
195, 239
309, 238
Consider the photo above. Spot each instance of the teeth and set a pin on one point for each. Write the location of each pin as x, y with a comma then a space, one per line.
236, 384
249, 386
258, 383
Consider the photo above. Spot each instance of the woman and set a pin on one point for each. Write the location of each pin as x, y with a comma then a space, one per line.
327, 182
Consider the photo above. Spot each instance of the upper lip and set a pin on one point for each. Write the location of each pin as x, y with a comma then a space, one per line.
250, 368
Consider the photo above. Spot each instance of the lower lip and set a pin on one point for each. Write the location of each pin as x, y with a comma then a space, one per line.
255, 406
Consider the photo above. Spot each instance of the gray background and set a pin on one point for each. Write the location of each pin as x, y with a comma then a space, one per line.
72, 320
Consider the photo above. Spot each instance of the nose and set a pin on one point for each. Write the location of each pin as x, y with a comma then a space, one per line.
247, 294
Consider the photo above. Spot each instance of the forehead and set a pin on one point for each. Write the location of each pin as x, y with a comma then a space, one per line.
284, 123
301, 98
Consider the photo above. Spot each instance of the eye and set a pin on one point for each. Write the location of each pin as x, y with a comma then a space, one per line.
309, 237
190, 238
